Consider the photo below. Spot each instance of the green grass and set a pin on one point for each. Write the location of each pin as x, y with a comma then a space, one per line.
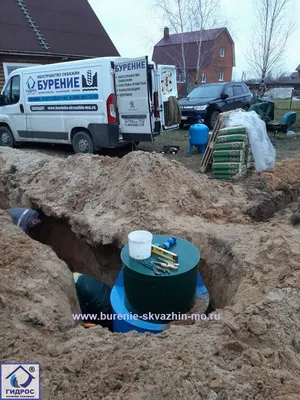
285, 105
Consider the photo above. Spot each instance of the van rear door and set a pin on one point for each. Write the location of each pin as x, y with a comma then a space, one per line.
167, 86
133, 92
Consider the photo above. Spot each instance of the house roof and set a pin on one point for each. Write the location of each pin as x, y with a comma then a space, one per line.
68, 27
169, 51
298, 68
171, 55
191, 37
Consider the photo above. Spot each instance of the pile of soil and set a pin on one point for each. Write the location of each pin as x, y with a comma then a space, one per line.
252, 272
284, 173
100, 194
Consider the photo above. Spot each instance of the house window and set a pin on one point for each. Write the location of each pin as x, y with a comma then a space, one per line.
222, 52
203, 77
8, 68
221, 76
180, 76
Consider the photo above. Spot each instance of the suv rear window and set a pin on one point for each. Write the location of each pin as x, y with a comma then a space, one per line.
237, 90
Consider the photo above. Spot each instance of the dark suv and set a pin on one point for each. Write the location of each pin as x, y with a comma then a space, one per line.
210, 99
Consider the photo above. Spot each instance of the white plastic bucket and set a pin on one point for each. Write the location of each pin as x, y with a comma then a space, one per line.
140, 244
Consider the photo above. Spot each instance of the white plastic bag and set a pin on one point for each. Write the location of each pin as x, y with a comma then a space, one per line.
290, 133
264, 153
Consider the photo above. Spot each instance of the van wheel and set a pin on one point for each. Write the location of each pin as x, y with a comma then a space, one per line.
6, 137
83, 144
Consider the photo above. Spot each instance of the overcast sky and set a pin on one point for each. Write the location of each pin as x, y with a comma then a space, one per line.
134, 26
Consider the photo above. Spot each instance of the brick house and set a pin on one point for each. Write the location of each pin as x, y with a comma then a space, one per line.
298, 72
216, 56
34, 32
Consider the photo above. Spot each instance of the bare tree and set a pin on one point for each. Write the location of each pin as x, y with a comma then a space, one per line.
178, 13
206, 15
272, 29
186, 18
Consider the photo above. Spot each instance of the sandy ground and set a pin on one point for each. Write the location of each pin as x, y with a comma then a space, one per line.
251, 269
286, 147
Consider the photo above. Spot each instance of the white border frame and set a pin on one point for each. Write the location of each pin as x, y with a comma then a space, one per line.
10, 64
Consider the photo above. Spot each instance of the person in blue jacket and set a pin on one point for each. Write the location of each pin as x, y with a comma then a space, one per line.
25, 218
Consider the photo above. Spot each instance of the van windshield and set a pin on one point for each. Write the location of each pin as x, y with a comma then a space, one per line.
206, 91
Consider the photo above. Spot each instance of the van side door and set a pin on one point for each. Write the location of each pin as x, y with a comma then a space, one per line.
167, 87
12, 110
133, 94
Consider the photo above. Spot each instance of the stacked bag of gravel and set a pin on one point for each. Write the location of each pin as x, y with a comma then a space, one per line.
232, 153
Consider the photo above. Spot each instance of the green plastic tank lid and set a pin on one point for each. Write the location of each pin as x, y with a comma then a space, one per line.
175, 292
188, 257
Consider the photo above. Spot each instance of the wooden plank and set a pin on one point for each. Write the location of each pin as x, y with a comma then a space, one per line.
208, 155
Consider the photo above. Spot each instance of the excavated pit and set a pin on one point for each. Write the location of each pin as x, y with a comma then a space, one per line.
102, 262
270, 204
221, 272
218, 269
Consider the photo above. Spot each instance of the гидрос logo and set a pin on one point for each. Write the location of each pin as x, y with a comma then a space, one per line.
31, 85
20, 381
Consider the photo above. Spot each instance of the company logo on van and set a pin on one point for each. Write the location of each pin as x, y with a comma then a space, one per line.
31, 85
90, 81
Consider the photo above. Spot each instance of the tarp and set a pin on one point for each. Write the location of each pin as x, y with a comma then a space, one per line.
262, 149
264, 108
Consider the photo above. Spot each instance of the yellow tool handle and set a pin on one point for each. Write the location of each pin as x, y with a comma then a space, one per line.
164, 253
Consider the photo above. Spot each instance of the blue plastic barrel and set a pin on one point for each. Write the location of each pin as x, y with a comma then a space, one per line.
198, 136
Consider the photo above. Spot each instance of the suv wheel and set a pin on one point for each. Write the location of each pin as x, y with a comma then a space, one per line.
6, 137
213, 119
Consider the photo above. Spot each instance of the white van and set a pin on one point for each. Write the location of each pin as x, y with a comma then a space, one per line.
91, 104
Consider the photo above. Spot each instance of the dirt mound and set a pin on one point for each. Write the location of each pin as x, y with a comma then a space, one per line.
32, 274
284, 173
141, 188
248, 353
252, 272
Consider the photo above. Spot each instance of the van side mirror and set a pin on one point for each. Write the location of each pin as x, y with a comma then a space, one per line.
2, 103
224, 96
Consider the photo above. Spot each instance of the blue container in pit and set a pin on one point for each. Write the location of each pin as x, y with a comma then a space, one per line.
198, 136
124, 321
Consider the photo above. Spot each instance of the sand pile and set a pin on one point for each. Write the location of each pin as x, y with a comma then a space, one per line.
93, 192
284, 173
32, 274
251, 353
252, 271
